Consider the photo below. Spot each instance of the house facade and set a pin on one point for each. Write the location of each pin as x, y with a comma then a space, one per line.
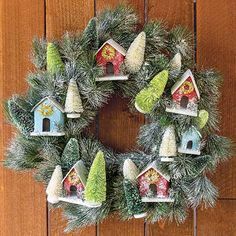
111, 56
48, 118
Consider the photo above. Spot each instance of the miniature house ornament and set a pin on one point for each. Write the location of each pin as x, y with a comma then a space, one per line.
168, 147
185, 96
73, 104
190, 142
154, 185
111, 57
48, 118
74, 184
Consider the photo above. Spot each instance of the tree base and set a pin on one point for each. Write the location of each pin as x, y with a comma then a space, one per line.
73, 115
47, 133
167, 159
141, 215
157, 199
76, 200
114, 77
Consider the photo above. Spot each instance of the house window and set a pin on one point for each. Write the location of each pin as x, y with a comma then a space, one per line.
153, 189
110, 68
184, 102
73, 190
190, 144
46, 125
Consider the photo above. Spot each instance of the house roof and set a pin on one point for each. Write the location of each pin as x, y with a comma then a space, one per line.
184, 77
114, 45
80, 170
53, 101
153, 165
192, 128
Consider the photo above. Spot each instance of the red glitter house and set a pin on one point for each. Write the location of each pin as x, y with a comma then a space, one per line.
111, 57
153, 184
185, 96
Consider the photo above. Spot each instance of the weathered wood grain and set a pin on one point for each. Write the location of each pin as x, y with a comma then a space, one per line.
216, 36
218, 221
62, 16
23, 204
118, 128
174, 13
22, 201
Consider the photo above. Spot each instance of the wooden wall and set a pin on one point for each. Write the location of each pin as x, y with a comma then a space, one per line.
23, 208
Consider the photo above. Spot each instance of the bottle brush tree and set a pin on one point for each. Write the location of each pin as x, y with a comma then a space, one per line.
135, 54
147, 97
95, 190
54, 189
73, 104
54, 61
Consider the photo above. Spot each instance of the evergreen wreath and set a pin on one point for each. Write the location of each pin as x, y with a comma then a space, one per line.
180, 107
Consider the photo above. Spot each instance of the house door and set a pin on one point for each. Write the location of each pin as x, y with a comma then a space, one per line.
184, 102
73, 190
190, 144
110, 68
153, 189
46, 125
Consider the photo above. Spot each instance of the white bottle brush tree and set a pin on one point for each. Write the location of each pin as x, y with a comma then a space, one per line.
73, 104
54, 189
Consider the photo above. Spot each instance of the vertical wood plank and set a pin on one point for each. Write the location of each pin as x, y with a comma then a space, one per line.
118, 128
23, 204
174, 12
62, 16
23, 208
222, 219
216, 36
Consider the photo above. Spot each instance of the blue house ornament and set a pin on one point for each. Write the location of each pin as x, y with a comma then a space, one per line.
48, 118
190, 142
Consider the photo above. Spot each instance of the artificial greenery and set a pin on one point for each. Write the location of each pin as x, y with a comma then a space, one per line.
75, 59
96, 184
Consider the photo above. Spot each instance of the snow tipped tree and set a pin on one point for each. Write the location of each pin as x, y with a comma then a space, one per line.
146, 99
175, 64
130, 170
95, 190
135, 55
73, 104
168, 144
54, 189
54, 62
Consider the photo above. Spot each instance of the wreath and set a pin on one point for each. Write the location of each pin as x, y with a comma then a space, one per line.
75, 77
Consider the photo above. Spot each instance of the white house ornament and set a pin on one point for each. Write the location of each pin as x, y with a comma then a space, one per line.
111, 57
190, 141
185, 96
154, 185
48, 118
135, 54
73, 104
168, 149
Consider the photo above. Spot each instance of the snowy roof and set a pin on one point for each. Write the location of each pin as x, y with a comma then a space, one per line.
80, 170
114, 45
153, 165
184, 77
53, 101
192, 128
